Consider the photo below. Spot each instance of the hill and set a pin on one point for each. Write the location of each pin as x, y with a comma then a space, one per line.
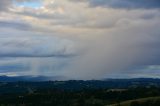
149, 101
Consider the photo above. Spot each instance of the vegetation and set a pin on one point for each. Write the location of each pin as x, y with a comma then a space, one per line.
79, 93
85, 97
149, 101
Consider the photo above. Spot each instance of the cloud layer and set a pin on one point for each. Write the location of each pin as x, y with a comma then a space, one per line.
126, 4
88, 39
35, 47
5, 4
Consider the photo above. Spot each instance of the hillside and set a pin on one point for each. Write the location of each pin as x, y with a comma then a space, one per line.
149, 101
80, 93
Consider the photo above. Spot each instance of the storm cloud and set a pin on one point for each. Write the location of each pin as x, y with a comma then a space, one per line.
126, 4
15, 25
35, 47
146, 4
80, 39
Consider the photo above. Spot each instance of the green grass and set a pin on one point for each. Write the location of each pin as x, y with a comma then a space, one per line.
127, 103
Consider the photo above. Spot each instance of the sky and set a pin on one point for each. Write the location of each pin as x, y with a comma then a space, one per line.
80, 39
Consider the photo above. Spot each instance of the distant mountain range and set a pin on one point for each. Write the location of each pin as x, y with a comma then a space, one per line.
28, 78
22, 84
60, 78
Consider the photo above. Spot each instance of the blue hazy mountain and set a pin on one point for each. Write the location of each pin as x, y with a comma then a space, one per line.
27, 78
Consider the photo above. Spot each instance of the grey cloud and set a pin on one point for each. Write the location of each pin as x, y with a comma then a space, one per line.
13, 68
132, 41
27, 0
15, 25
35, 47
5, 4
118, 51
48, 66
148, 16
129, 4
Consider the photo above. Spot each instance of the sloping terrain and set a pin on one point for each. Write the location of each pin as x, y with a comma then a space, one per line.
149, 101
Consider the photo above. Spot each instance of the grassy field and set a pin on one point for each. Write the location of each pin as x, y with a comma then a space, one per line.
142, 100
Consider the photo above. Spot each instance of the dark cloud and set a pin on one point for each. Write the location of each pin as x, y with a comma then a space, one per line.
129, 4
109, 41
28, 0
15, 25
120, 50
13, 68
36, 55
35, 47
